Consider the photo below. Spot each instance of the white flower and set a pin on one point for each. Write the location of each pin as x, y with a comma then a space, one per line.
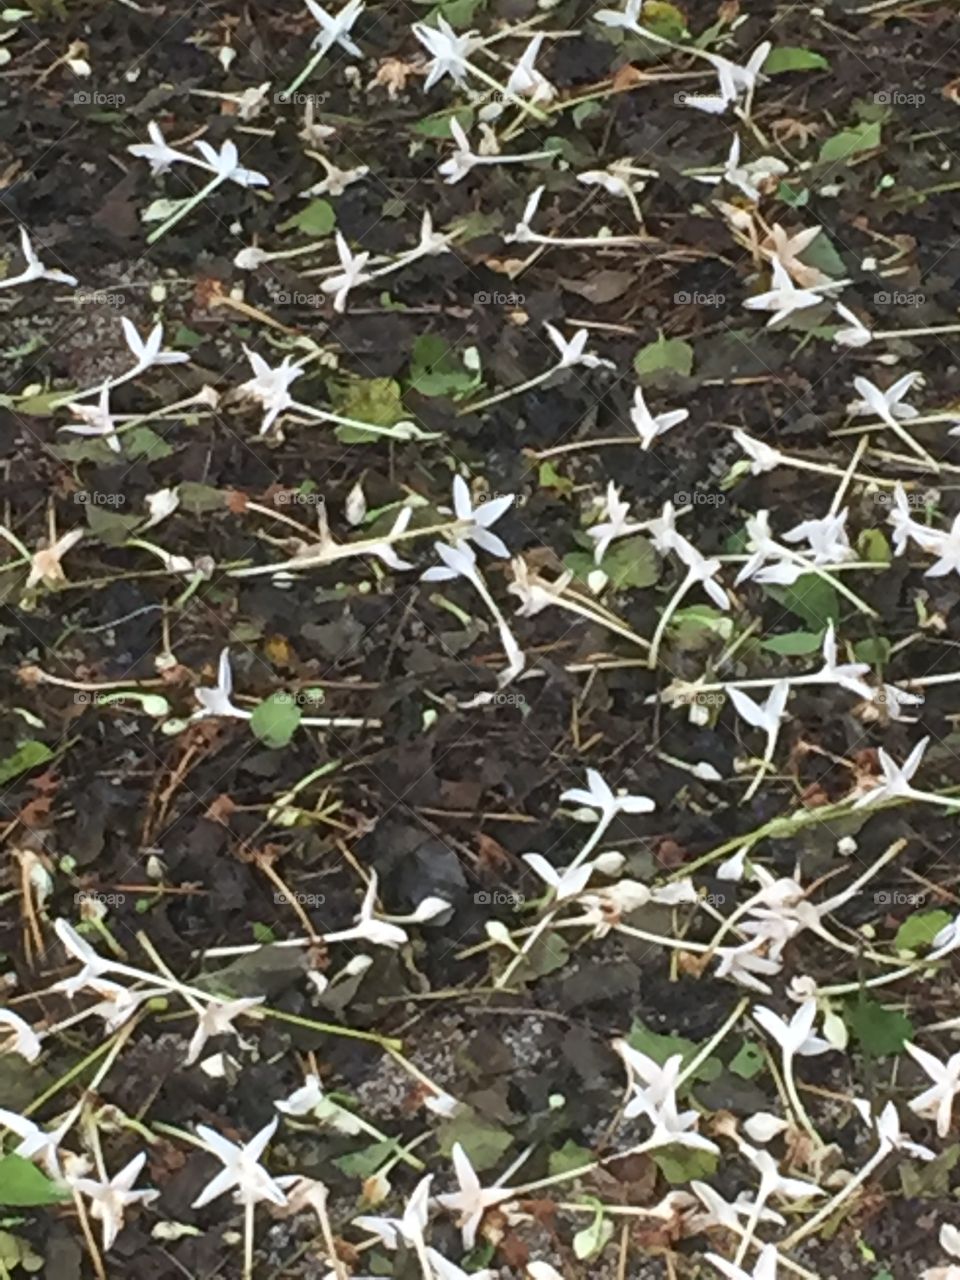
479, 519
574, 352
34, 268
826, 538
896, 778
648, 427
350, 277
458, 562
303, 1100
217, 701
734, 79
887, 405
654, 1084
754, 178
526, 81
617, 524
936, 1103
787, 248
336, 29
410, 1227
18, 1036
450, 52
765, 1267
794, 1037
242, 1171
94, 965
763, 1127
216, 1020
905, 528
160, 155
601, 798
947, 547
766, 717
533, 591
270, 388
785, 297
95, 421
889, 1135
473, 1199
384, 550
109, 1200
160, 504
225, 163
45, 564
147, 354
522, 233
628, 19
568, 882
702, 570
856, 335
845, 674
378, 932
743, 964
663, 529
37, 1143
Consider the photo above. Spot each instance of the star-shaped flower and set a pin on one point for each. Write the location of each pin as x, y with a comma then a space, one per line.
109, 1200
270, 387
473, 1199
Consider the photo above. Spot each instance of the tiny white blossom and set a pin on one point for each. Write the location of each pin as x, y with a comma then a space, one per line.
270, 387
936, 1103
351, 276
336, 28
17, 1036
648, 427
242, 1171
34, 268
573, 352
109, 1199
473, 1199
450, 52
887, 405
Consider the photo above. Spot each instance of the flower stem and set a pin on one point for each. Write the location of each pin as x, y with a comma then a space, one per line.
185, 208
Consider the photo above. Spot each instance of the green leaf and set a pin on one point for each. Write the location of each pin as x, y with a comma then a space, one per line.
591, 1240
484, 1142
811, 598
665, 356
791, 58
920, 929
437, 370
548, 477
693, 628
275, 720
366, 1161
438, 124
631, 562
931, 1179
144, 443
570, 1156
197, 499
682, 1164
316, 219
109, 525
879, 1030
27, 756
660, 1048
373, 400
851, 142
822, 254
795, 644
747, 1061
875, 650
872, 545
22, 1185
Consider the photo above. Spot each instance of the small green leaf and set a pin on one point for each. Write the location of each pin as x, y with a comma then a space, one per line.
27, 756
438, 124
570, 1156
366, 1161
484, 1142
792, 58
694, 627
880, 1031
920, 929
794, 644
664, 19
872, 545
811, 598
682, 1164
932, 1179
875, 650
275, 720
437, 370
373, 400
666, 356
22, 1185
591, 1240
631, 562
143, 443
747, 1061
316, 219
548, 477
849, 143
660, 1048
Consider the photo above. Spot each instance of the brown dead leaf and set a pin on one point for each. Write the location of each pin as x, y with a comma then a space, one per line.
221, 809
236, 502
